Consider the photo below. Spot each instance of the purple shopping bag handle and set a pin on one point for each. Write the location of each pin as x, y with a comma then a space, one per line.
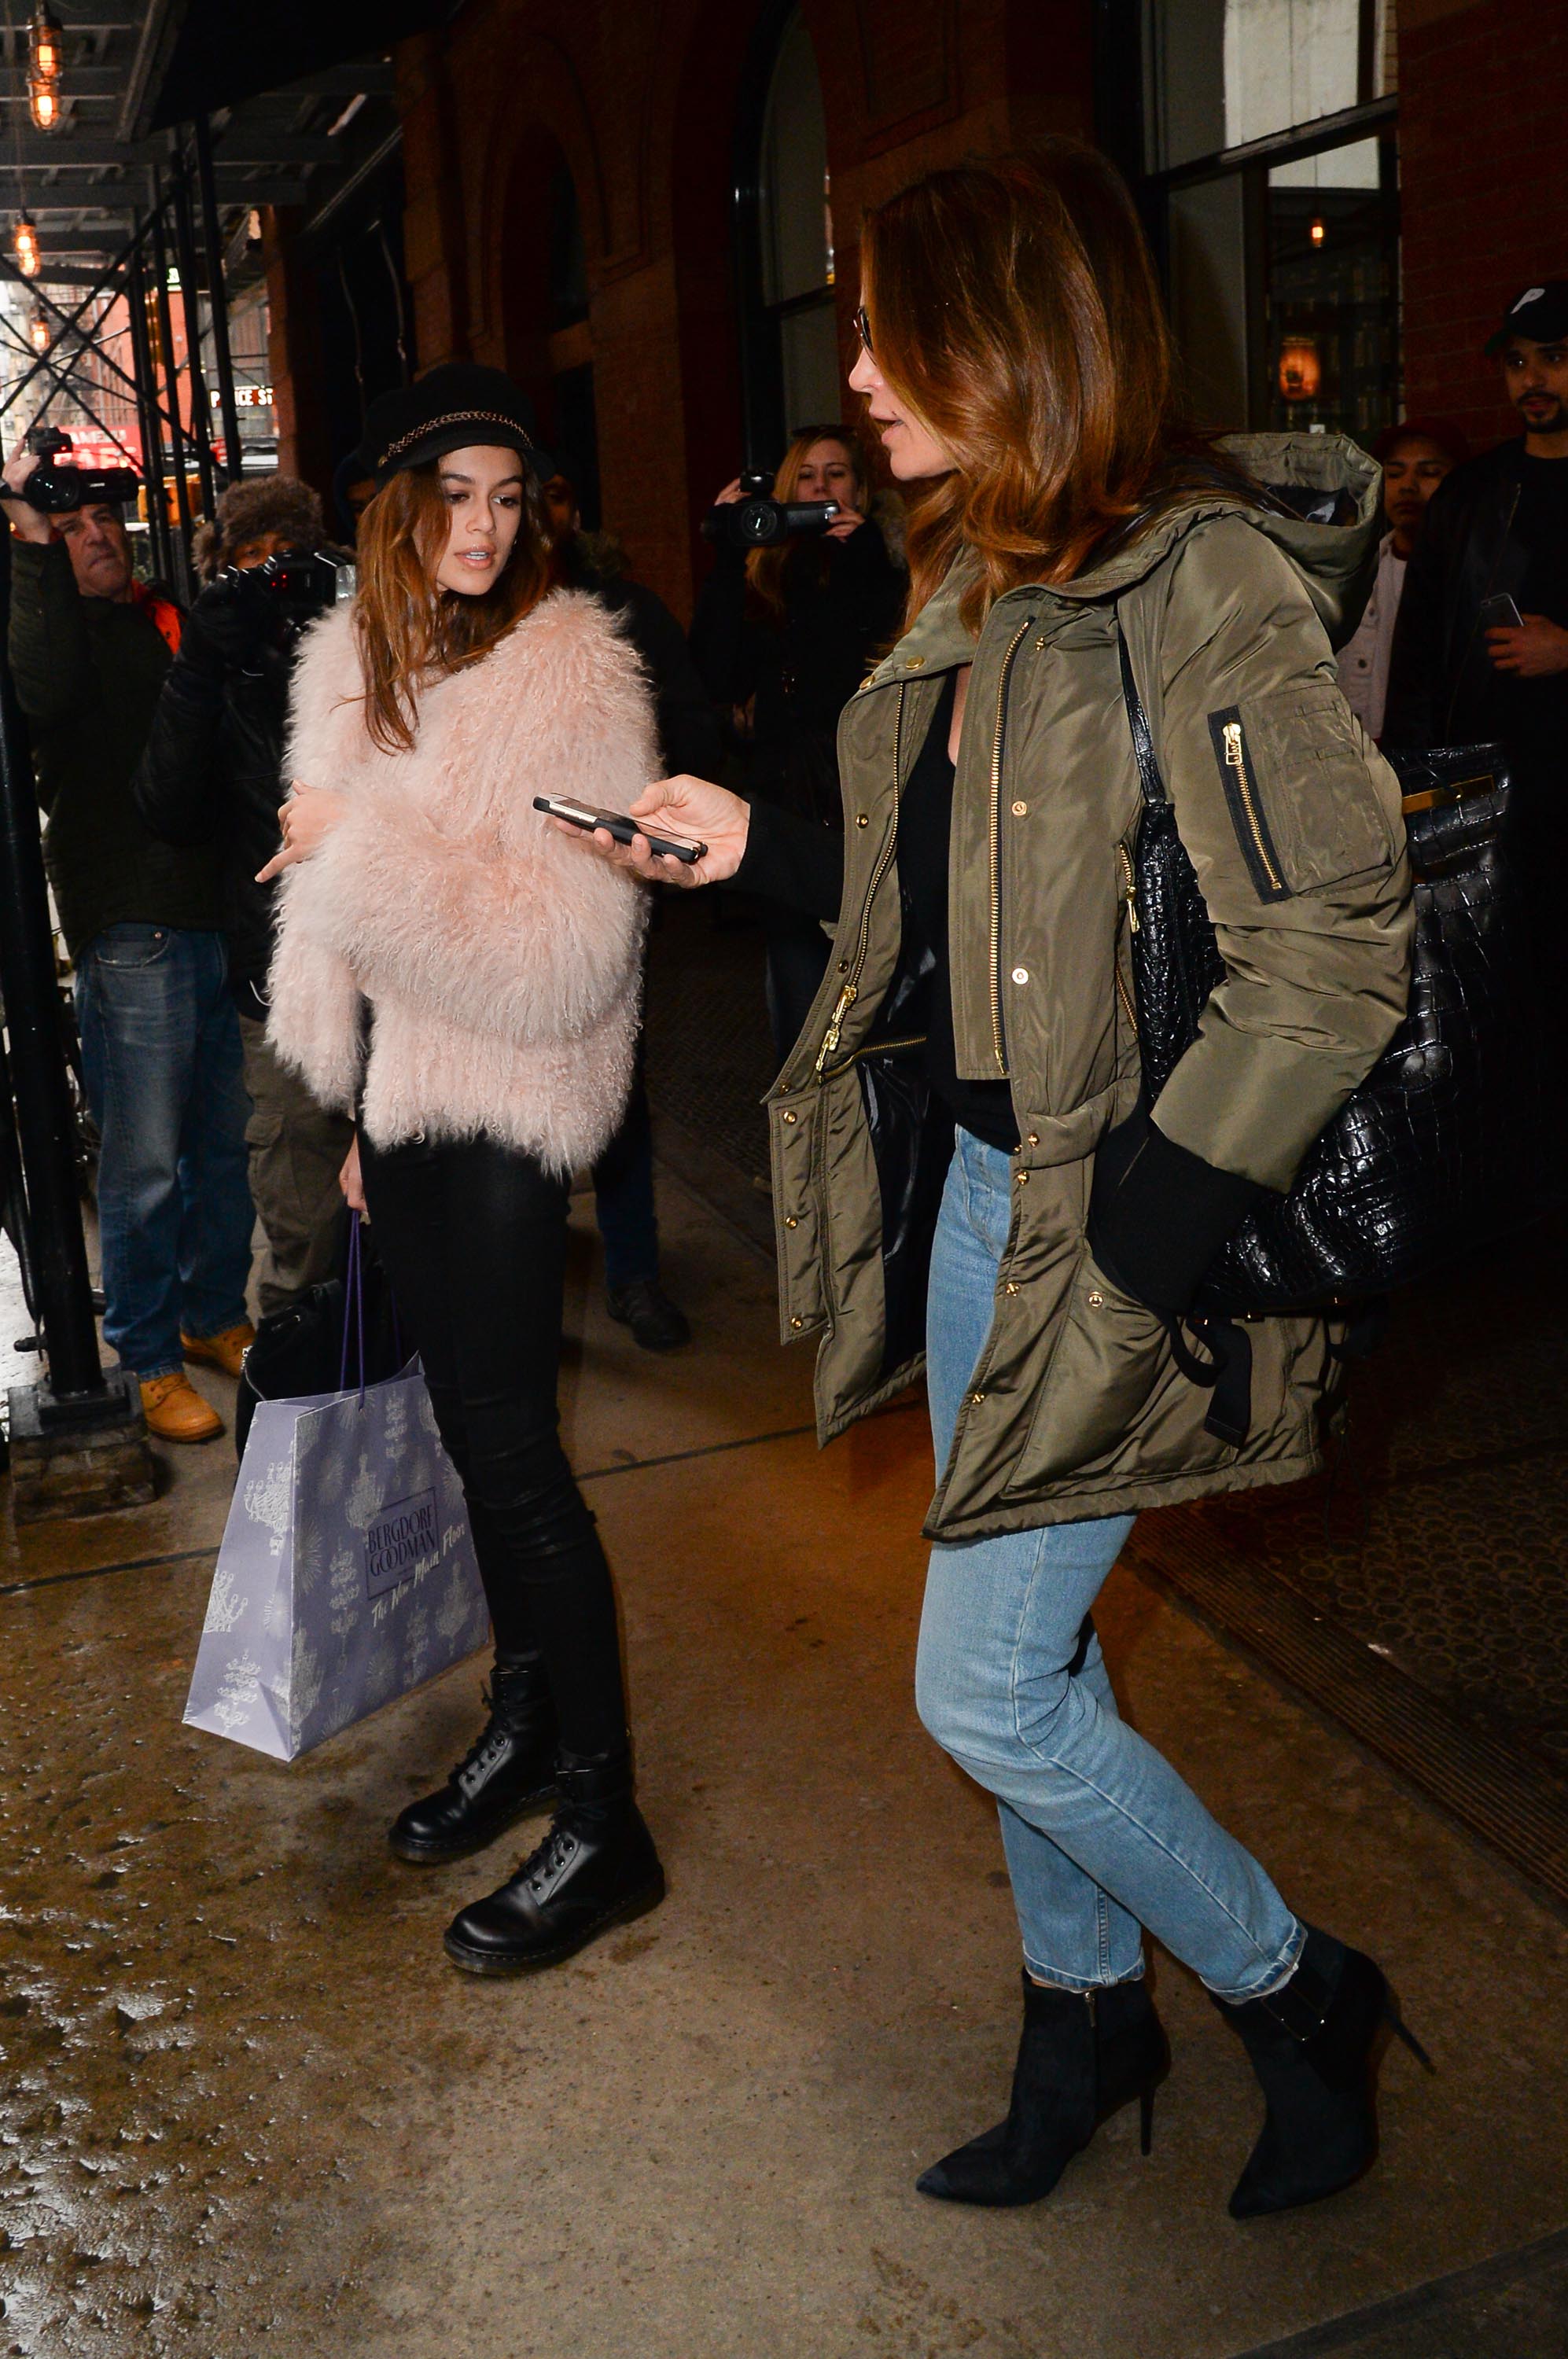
354, 1310
353, 1307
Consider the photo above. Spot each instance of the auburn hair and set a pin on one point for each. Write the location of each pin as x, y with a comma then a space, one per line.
765, 567
412, 631
1014, 306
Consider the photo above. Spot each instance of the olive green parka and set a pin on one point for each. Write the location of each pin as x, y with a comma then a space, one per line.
1292, 821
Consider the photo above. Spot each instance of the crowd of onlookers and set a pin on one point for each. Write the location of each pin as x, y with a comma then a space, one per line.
159, 739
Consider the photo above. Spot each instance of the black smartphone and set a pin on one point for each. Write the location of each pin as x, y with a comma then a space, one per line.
623, 829
1499, 613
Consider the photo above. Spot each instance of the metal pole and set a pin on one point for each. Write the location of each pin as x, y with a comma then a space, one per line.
146, 405
37, 1075
181, 550
218, 300
191, 301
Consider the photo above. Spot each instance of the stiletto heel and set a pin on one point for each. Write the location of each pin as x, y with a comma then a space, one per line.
1145, 2118
1401, 2030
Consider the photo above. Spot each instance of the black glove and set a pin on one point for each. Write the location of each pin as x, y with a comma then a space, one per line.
225, 631
1159, 1215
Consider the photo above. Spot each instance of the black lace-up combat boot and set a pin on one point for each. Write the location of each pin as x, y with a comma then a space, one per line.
1313, 2045
595, 1868
1084, 2055
508, 1770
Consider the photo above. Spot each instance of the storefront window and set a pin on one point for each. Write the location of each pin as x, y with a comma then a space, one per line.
1270, 132
797, 232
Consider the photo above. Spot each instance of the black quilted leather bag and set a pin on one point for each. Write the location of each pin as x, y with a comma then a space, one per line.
1432, 1156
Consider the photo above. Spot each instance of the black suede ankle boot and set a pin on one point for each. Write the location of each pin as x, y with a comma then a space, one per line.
508, 1770
1312, 2044
1082, 2056
595, 1868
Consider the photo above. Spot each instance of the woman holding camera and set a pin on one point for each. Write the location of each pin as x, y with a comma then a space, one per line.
789, 631
1017, 363
449, 970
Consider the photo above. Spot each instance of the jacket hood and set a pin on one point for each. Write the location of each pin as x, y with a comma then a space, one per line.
1336, 559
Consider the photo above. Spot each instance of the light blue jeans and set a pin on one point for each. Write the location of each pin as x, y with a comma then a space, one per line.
1102, 1837
160, 1055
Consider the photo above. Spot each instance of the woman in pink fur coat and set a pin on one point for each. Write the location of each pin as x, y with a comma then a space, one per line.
447, 968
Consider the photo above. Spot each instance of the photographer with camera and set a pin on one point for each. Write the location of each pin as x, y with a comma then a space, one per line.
212, 774
89, 649
796, 608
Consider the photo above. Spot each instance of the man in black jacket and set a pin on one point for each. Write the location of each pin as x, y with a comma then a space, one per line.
212, 773
1498, 529
89, 649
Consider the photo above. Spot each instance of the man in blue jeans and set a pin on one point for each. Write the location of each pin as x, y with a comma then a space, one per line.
143, 920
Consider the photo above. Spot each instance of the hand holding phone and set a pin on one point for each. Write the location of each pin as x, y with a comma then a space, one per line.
616, 824
1500, 613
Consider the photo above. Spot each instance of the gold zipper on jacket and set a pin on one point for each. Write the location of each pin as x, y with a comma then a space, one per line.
875, 1049
1235, 759
851, 991
1129, 899
998, 1036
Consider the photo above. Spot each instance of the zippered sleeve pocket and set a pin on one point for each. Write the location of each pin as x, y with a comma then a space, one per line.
1227, 733
1309, 797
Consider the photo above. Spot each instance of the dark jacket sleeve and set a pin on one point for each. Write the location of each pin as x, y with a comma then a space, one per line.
688, 725
723, 634
1418, 690
176, 784
51, 661
793, 861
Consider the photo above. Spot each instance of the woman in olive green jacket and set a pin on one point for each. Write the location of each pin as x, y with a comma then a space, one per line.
1016, 365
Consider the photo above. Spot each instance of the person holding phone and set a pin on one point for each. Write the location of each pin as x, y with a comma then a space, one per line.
961, 1143
446, 970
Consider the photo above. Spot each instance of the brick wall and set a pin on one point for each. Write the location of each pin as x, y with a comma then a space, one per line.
1482, 100
639, 101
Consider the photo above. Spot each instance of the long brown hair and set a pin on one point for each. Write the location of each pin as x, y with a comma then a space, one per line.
765, 567
411, 632
1014, 305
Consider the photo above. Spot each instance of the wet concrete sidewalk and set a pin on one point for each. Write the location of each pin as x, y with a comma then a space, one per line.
248, 2108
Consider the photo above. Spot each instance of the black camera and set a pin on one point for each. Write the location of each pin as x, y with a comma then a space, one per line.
292, 588
757, 520
55, 489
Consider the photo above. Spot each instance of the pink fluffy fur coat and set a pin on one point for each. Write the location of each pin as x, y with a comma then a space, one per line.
502, 961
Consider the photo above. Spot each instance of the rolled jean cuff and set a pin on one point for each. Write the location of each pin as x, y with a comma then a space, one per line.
1056, 1980
1269, 1978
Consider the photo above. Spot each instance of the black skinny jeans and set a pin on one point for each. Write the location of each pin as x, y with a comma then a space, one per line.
473, 1235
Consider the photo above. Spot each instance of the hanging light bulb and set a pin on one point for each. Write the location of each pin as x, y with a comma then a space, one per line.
1316, 232
47, 45
43, 105
25, 245
38, 329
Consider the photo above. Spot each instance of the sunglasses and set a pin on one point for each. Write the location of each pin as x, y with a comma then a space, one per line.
863, 326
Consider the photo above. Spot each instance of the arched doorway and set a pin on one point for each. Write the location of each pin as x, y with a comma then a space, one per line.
549, 339
790, 363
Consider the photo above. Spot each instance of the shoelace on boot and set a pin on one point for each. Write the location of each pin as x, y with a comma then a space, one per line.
546, 1862
484, 1748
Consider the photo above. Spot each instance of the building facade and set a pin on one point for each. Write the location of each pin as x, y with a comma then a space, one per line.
646, 211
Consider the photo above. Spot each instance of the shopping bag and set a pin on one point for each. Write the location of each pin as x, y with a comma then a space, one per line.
346, 1575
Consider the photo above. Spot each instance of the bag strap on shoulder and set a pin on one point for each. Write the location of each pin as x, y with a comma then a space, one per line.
1149, 778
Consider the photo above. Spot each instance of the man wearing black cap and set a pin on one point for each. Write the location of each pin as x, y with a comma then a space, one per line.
1498, 529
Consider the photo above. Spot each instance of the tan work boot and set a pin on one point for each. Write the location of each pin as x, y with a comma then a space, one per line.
176, 1411
226, 1351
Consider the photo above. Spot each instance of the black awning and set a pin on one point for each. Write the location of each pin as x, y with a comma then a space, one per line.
227, 50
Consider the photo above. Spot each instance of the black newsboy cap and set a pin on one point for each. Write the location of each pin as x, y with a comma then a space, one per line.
452, 407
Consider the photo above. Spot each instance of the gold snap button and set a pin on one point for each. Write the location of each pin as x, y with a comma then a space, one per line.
1034, 1138
1021, 974
797, 1323
914, 662
1020, 810
861, 820
790, 1221
844, 966
1023, 1179
1095, 1299
1012, 1286
791, 1114
975, 1400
